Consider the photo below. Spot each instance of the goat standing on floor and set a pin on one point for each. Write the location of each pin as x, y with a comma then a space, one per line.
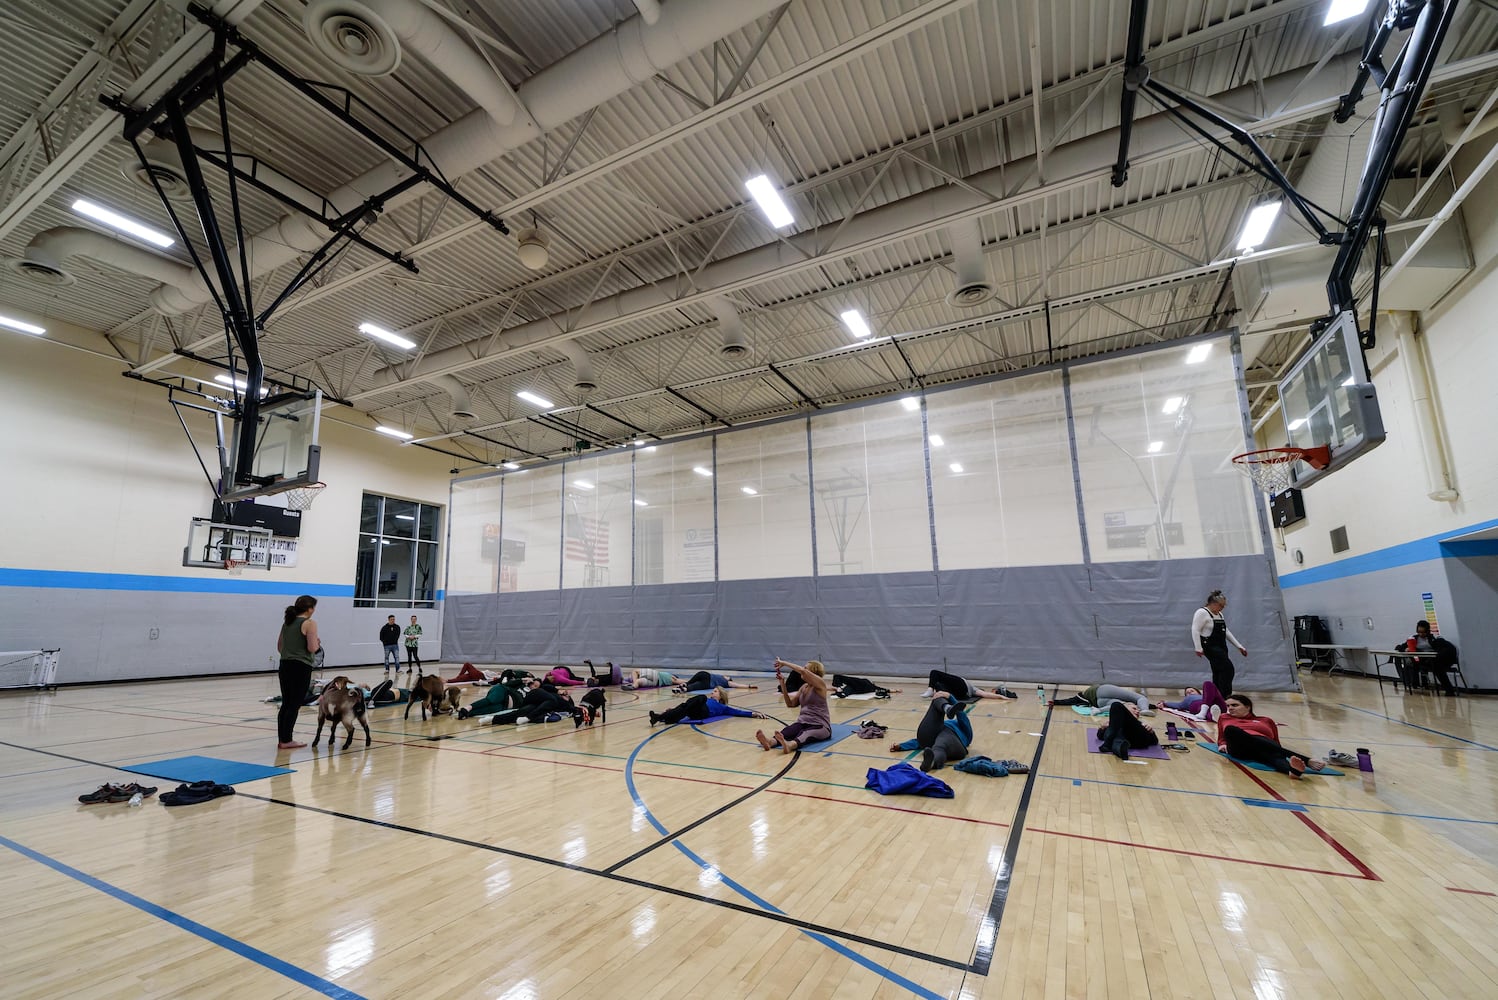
433, 692
340, 703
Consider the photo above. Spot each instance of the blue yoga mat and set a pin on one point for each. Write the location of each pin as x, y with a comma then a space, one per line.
1088, 710
840, 732
1211, 747
189, 769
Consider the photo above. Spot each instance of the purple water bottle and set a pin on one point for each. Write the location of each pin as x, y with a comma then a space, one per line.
1170, 731
1365, 759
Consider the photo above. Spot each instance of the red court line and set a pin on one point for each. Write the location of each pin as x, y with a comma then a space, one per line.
1315, 828
1474, 892
1197, 854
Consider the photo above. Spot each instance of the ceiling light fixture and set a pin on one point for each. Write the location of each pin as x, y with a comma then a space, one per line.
512, 466
22, 327
380, 333
1198, 354
936, 441
641, 503
639, 442
123, 223
238, 383
535, 400
393, 432
702, 471
582, 484
1172, 404
911, 403
1256, 227
856, 324
1155, 447
405, 517
955, 466
749, 491
762, 190
1296, 424
1341, 10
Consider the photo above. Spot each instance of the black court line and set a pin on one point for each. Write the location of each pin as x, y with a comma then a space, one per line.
988, 933
779, 918
712, 815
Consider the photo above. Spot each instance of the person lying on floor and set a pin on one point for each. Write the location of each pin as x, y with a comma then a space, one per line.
563, 677
844, 685
469, 674
645, 678
537, 703
962, 689
503, 695
1242, 734
1198, 702
702, 681
1103, 695
814, 721
1124, 731
713, 705
944, 733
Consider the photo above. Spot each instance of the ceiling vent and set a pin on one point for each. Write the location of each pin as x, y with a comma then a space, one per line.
462, 406
352, 36
534, 248
735, 342
582, 365
162, 162
972, 288
41, 271
970, 295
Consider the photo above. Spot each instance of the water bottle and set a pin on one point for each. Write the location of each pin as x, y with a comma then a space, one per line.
1040, 693
136, 800
1365, 759
1170, 731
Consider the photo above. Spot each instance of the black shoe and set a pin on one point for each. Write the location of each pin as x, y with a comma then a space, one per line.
654, 719
928, 760
463, 713
1120, 748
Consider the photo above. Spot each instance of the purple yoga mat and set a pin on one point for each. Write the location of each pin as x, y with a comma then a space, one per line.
1154, 753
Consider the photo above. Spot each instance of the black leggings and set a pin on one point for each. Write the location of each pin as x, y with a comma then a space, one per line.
694, 708
413, 657
700, 681
538, 702
1249, 746
950, 683
1222, 669
854, 685
1121, 722
933, 733
296, 680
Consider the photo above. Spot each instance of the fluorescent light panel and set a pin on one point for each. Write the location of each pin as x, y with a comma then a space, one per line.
856, 324
405, 517
125, 224
535, 400
238, 383
911, 403
512, 466
380, 333
1256, 227
749, 491
701, 471
22, 327
1172, 404
955, 466
762, 189
1296, 424
1341, 10
936, 441
1155, 447
394, 432
641, 503
1198, 354
582, 484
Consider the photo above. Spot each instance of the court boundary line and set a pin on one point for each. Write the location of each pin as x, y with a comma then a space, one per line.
1314, 827
264, 959
1426, 729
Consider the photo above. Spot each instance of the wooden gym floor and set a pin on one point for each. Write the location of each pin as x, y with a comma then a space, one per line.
624, 861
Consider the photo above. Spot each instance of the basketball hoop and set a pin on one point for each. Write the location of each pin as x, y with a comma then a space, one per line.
301, 497
234, 567
1270, 468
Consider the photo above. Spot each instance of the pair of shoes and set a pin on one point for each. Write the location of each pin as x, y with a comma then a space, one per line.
108, 793
196, 792
1342, 757
1004, 692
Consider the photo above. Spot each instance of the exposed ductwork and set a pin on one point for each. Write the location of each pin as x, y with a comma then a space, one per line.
1069, 164
583, 379
45, 258
164, 162
604, 68
462, 407
649, 10
972, 288
735, 342
1427, 418
367, 37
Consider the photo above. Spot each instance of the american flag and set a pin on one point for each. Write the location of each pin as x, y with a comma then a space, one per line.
587, 539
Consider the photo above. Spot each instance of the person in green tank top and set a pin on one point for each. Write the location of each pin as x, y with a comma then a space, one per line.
298, 645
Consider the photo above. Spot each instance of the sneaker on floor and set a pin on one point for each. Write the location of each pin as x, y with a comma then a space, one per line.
1015, 767
1341, 757
104, 793
144, 791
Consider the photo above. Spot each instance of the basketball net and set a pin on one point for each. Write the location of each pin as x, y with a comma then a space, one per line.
301, 497
1272, 469
234, 567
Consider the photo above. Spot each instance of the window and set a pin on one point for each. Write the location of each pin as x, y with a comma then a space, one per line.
397, 562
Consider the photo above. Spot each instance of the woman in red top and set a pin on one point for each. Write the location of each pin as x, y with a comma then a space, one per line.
1242, 734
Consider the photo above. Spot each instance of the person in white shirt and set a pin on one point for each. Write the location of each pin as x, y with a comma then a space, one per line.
1210, 636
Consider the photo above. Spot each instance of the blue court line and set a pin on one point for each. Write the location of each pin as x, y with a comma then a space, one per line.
1449, 736
271, 962
1274, 804
1309, 805
822, 939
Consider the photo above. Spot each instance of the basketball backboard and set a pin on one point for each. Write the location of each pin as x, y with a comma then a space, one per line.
211, 545
286, 450
1328, 399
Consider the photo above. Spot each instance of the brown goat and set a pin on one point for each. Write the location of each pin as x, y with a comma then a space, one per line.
433, 693
340, 702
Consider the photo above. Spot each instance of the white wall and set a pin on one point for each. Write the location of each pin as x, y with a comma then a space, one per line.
102, 482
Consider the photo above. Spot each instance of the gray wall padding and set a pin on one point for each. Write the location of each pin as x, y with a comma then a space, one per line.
1125, 622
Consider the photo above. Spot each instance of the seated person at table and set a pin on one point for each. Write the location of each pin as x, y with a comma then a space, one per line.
1412, 669
1103, 695
643, 678
713, 705
815, 720
962, 689
1242, 734
943, 735
1124, 731
703, 681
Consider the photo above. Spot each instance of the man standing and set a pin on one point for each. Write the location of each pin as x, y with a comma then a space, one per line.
1210, 635
390, 637
413, 649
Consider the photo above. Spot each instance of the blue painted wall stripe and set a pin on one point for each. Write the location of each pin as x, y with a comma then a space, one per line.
50, 579
271, 962
1427, 549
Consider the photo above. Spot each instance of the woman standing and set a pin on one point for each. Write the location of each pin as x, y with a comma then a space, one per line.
298, 645
1210, 636
413, 648
1247, 736
815, 721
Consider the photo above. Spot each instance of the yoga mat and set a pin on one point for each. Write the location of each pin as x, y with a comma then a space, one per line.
1213, 748
189, 769
1156, 752
1087, 710
840, 732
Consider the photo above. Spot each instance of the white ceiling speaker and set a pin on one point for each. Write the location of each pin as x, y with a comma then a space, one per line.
162, 162
534, 248
352, 36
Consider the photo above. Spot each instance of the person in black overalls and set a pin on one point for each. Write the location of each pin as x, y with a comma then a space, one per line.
1210, 635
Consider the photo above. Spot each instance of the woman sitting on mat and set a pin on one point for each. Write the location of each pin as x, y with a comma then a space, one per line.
1124, 731
1246, 736
713, 705
845, 685
962, 689
814, 722
1103, 695
644, 678
702, 681
943, 735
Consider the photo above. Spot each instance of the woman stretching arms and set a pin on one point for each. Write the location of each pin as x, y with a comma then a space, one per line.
814, 723
1247, 736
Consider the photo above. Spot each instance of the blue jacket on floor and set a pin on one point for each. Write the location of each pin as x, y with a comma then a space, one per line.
902, 779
